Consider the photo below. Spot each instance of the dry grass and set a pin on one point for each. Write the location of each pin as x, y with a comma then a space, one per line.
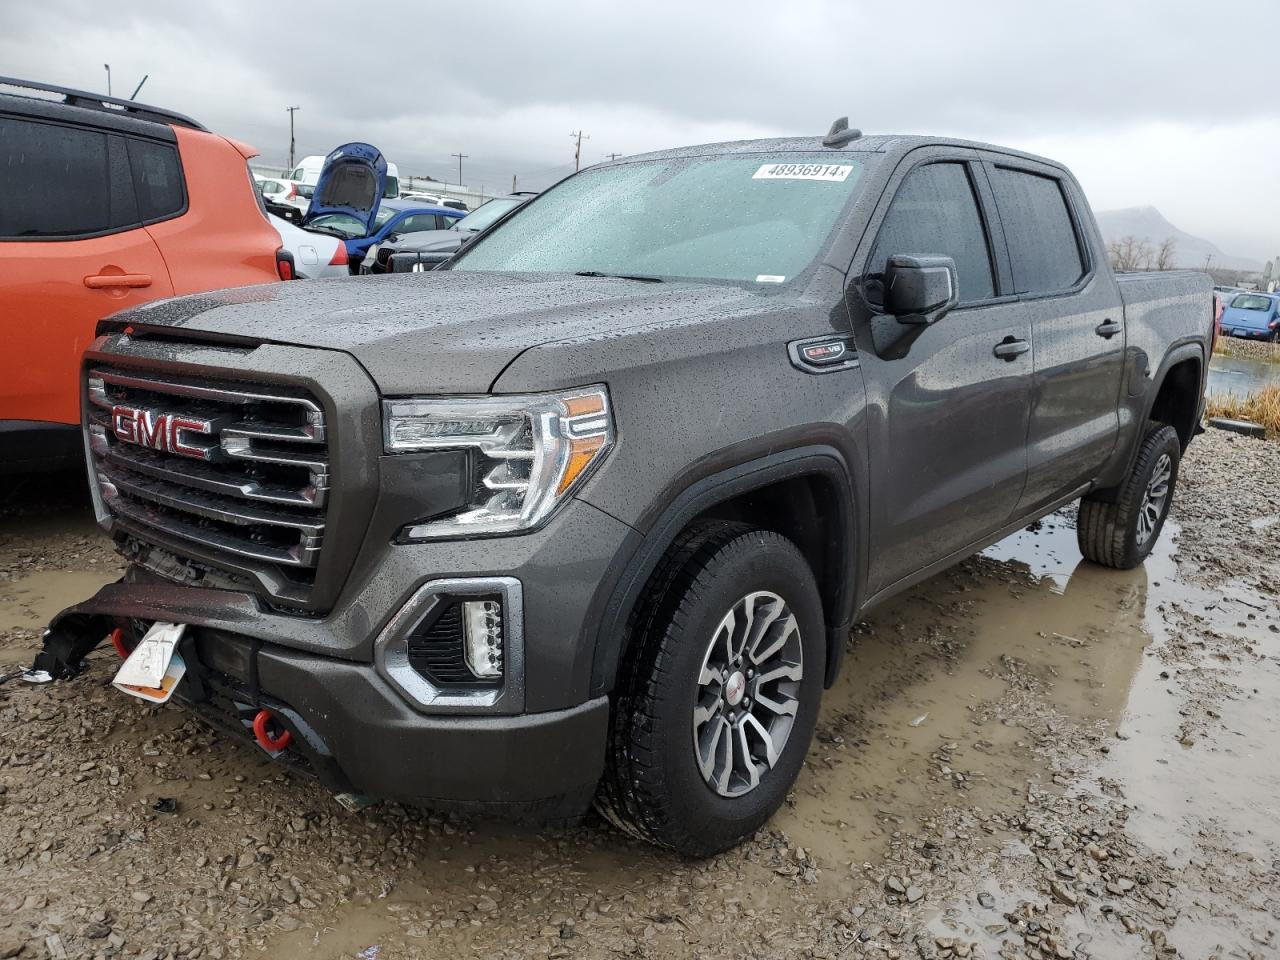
1262, 407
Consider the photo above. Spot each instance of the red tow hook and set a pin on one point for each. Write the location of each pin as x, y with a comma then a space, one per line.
264, 738
117, 641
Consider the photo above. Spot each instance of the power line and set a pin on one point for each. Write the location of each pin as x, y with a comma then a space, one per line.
461, 157
613, 156
577, 150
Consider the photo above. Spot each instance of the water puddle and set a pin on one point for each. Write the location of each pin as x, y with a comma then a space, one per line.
30, 602
909, 727
1240, 376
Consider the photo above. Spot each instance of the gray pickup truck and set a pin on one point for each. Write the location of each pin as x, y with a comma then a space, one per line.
588, 515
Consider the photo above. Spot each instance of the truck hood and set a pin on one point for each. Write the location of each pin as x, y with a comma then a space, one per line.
440, 331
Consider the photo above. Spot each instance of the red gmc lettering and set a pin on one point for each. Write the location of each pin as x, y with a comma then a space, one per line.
159, 431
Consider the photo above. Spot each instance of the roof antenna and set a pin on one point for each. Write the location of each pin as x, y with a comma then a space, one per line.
839, 135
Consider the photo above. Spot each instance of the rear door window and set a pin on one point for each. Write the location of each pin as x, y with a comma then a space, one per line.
157, 180
935, 213
61, 182
1043, 246
417, 223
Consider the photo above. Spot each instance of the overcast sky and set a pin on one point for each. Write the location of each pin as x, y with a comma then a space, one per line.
1171, 104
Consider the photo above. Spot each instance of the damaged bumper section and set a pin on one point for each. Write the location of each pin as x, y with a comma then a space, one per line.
356, 732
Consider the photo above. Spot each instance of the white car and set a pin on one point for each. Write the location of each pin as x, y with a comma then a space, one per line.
427, 198
279, 190
315, 255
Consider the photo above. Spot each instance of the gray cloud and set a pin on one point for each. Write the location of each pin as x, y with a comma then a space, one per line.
506, 82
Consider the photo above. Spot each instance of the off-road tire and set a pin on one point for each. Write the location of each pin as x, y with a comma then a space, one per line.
1107, 529
652, 788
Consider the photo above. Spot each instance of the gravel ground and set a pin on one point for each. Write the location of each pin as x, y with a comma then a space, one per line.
1025, 757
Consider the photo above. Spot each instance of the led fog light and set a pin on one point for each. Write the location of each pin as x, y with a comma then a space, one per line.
482, 630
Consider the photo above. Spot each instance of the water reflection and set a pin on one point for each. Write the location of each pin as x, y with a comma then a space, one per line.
1238, 377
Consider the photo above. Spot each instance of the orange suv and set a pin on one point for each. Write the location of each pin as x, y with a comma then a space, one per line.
105, 204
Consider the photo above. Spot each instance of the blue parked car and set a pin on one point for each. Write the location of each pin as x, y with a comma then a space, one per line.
1252, 315
348, 204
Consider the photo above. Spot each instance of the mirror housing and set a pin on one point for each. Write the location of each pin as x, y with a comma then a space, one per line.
920, 290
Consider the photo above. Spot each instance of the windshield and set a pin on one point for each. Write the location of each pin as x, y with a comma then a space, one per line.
485, 214
759, 218
1251, 301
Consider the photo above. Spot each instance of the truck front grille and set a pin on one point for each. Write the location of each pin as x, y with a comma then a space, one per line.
236, 472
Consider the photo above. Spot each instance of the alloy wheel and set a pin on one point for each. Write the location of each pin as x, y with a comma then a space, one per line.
1155, 499
748, 693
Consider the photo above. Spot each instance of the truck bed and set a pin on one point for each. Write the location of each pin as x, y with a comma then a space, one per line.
1164, 308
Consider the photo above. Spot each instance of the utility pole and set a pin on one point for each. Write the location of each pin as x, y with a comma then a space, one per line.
292, 111
577, 150
461, 157
107, 67
513, 183
1206, 262
613, 156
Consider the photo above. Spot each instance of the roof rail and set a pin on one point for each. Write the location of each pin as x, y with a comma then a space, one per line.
96, 101
840, 134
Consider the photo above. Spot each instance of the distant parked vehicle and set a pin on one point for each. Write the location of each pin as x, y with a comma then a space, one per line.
348, 203
426, 251
427, 198
106, 204
1252, 316
315, 255
455, 204
273, 188
394, 218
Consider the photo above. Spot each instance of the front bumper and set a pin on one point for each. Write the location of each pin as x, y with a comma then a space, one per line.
357, 734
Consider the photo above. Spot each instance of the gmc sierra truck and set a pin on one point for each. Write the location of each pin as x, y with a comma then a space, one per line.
588, 515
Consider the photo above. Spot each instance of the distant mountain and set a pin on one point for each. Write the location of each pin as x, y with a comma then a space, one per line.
1148, 223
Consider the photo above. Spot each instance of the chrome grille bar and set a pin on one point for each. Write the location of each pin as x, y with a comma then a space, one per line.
244, 471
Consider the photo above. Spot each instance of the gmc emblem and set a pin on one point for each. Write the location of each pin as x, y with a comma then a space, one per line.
166, 432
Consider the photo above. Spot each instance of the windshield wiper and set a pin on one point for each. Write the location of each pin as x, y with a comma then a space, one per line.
327, 231
618, 276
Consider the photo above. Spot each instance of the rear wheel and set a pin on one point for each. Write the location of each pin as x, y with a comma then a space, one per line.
1121, 532
718, 699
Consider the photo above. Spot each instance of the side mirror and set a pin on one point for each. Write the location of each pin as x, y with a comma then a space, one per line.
920, 290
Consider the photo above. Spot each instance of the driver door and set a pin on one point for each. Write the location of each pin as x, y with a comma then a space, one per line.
947, 449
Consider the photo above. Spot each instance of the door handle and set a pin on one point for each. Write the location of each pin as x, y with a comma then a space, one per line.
101, 281
1010, 349
1108, 329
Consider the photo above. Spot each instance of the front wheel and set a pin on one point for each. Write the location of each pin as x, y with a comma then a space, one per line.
719, 695
1121, 532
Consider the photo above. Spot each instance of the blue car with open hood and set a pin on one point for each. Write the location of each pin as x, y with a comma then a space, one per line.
348, 203
1255, 316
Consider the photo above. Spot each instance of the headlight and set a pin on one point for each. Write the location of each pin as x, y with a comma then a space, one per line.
530, 452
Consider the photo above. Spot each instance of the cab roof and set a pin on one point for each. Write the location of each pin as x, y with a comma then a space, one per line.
880, 143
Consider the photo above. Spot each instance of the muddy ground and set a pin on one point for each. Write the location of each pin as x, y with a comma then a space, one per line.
1027, 756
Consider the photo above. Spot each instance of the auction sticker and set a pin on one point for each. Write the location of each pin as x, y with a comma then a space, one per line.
835, 172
